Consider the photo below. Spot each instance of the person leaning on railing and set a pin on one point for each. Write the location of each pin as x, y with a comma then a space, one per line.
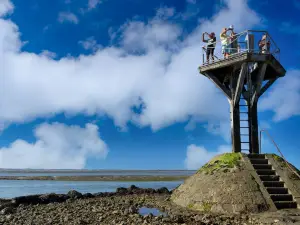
211, 45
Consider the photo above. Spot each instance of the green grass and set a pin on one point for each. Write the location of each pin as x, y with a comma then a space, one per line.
205, 206
224, 161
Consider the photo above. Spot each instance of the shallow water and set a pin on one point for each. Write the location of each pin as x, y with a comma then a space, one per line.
102, 173
154, 211
14, 188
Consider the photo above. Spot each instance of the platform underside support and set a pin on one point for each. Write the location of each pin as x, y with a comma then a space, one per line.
243, 86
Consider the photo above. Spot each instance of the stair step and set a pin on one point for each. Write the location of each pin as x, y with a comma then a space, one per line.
265, 172
285, 205
273, 183
256, 156
269, 177
277, 190
262, 166
259, 161
282, 197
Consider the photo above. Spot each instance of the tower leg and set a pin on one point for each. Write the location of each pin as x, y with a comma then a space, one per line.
254, 128
235, 128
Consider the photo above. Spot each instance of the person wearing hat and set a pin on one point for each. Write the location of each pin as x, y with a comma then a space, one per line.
210, 46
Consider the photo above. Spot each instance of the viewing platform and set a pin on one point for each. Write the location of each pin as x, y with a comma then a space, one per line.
249, 52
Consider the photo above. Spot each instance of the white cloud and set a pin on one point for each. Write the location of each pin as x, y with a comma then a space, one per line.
93, 4
164, 79
140, 36
48, 54
197, 156
90, 44
284, 98
57, 147
6, 7
68, 17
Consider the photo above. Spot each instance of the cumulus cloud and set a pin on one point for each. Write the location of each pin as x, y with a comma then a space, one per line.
48, 54
68, 17
6, 7
57, 146
163, 81
284, 97
197, 156
93, 3
90, 44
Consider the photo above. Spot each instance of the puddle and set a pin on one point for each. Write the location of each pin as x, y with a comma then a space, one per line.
154, 211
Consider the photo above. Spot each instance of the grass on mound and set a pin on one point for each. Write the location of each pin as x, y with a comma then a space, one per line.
224, 161
283, 163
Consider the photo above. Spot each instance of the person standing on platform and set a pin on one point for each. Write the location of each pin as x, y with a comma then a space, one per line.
211, 45
225, 41
264, 45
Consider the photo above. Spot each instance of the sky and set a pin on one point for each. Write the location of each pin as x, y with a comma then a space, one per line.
107, 84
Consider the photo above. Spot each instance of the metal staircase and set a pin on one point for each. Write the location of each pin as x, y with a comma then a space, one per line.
244, 126
272, 182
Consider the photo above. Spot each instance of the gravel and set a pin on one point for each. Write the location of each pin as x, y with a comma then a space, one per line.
121, 207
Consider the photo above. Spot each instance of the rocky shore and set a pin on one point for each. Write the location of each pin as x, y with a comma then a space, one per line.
122, 207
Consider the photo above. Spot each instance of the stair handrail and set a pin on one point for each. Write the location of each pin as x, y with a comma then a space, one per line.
282, 156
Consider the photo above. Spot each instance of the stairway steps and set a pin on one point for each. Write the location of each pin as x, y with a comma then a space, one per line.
262, 166
274, 186
269, 177
286, 204
256, 156
265, 172
281, 197
273, 183
277, 190
259, 161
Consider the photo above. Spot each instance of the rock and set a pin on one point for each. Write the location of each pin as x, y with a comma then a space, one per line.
26, 200
52, 198
163, 190
88, 195
74, 194
122, 190
132, 210
7, 210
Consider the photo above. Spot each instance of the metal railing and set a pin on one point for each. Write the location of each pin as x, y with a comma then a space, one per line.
282, 156
238, 44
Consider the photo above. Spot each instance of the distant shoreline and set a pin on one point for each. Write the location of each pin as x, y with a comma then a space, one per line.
82, 171
97, 178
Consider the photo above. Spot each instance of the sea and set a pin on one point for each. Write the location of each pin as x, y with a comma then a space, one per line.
14, 188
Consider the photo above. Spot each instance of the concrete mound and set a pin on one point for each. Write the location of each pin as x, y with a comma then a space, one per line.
223, 185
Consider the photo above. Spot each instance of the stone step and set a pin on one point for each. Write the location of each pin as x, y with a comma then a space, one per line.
282, 197
256, 156
269, 177
277, 190
266, 172
262, 166
285, 205
273, 183
259, 161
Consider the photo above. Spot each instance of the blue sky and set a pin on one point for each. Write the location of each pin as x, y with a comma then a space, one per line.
114, 84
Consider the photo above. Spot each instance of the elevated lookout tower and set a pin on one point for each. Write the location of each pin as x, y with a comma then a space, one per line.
243, 77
